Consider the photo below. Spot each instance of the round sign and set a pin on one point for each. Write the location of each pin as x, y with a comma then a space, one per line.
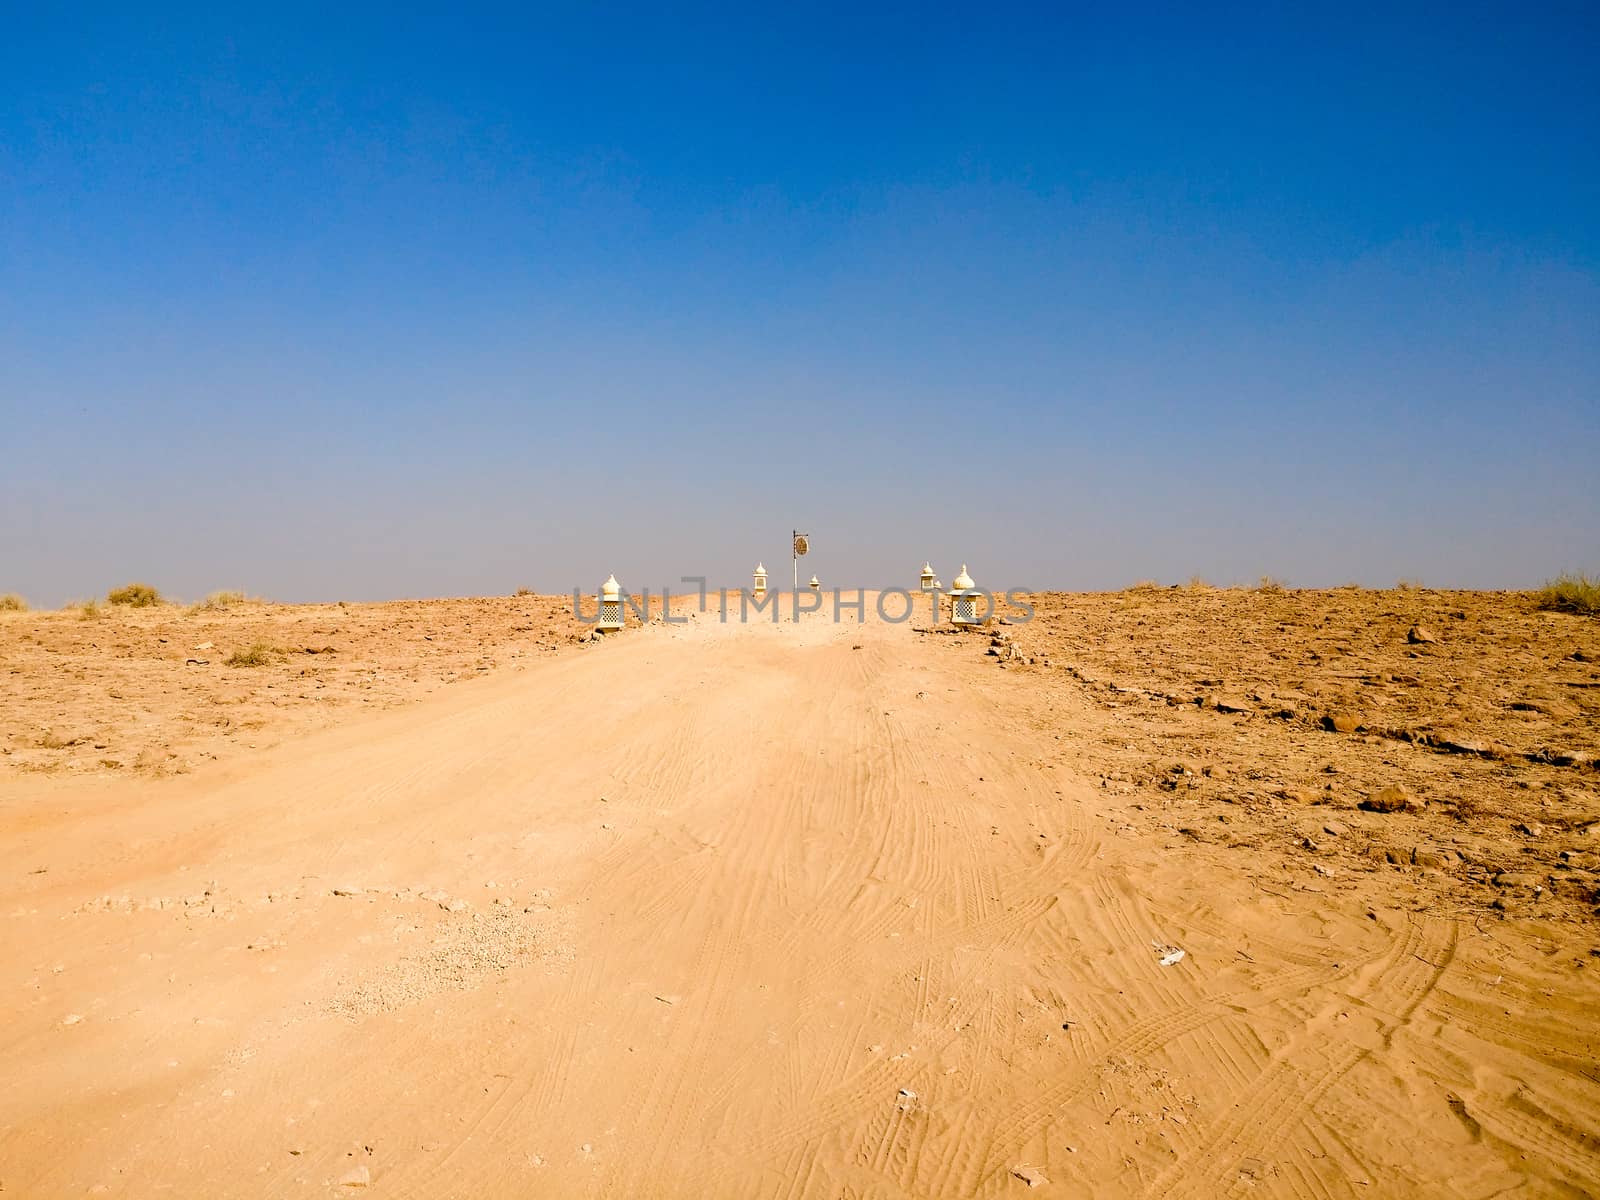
801, 545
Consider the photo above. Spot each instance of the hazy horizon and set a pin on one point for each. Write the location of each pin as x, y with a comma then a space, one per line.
357, 306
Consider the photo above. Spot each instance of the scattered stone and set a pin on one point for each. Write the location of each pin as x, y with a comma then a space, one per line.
1519, 879
1341, 722
72, 1018
1529, 829
1419, 635
1234, 704
1433, 858
356, 1177
348, 890
906, 1099
1032, 1176
1388, 800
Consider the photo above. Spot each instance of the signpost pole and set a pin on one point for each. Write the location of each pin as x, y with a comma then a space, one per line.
794, 553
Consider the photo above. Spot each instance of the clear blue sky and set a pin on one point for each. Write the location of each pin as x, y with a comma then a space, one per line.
340, 301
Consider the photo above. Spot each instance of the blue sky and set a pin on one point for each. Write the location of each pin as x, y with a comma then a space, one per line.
339, 303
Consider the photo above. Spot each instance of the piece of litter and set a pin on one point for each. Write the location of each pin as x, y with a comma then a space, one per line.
1032, 1176
1170, 955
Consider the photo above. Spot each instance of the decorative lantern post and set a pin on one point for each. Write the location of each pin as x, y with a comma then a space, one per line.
928, 581
760, 584
964, 601
610, 605
815, 586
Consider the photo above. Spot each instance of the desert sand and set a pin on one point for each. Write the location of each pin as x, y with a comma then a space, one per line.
446, 900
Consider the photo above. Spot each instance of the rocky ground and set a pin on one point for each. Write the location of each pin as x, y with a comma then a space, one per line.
1446, 741
151, 689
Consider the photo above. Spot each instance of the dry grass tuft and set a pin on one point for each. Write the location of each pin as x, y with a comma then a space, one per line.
258, 654
1268, 583
1573, 592
134, 595
11, 602
220, 602
1197, 584
88, 610
1408, 585
1145, 585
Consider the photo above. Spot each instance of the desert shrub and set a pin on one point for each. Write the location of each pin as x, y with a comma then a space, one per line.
88, 610
1573, 592
1197, 584
524, 591
1145, 585
11, 602
258, 654
220, 602
1269, 584
1408, 585
134, 595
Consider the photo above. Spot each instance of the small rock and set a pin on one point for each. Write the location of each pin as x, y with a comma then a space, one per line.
1234, 704
356, 1177
1419, 635
348, 890
1032, 1176
1519, 879
1388, 800
72, 1018
1341, 722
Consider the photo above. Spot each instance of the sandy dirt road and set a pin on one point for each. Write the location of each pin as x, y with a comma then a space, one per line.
784, 911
